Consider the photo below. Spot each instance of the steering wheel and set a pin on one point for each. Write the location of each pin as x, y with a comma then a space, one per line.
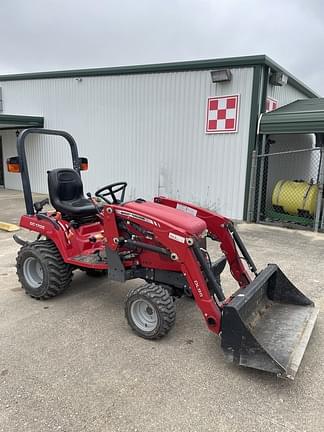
110, 191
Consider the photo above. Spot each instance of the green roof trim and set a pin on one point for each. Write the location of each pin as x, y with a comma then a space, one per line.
13, 121
300, 116
230, 62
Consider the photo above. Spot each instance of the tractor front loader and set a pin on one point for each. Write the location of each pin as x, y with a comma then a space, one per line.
265, 324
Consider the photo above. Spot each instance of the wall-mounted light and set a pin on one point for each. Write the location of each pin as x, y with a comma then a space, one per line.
221, 75
278, 79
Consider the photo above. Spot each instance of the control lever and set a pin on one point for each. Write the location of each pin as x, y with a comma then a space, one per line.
92, 199
40, 204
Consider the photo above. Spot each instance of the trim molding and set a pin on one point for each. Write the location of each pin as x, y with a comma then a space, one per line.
230, 62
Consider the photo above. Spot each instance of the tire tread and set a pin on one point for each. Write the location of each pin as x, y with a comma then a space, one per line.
161, 298
59, 272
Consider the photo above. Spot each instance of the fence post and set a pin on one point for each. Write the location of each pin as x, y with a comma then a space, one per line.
250, 212
260, 186
320, 192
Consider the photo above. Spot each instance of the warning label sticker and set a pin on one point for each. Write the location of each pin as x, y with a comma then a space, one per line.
187, 209
176, 237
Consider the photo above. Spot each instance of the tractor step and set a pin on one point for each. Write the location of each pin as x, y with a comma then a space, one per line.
88, 260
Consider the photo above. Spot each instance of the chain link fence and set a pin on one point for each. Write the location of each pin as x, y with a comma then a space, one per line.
287, 189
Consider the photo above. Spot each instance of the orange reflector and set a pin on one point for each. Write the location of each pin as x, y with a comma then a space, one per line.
13, 168
83, 161
13, 165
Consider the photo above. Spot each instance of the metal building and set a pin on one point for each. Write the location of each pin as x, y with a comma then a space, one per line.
178, 129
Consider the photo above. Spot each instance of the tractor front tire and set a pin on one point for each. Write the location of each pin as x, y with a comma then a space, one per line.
41, 270
150, 311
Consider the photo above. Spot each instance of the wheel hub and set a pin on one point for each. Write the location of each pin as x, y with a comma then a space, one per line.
144, 315
33, 272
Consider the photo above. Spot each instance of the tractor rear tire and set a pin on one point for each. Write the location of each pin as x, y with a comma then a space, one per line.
150, 311
41, 270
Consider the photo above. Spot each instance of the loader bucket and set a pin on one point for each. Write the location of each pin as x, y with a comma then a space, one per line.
267, 325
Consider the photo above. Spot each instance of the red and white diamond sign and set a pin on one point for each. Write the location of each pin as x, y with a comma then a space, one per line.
222, 114
271, 104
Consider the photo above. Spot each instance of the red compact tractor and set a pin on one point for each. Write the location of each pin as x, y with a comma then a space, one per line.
265, 324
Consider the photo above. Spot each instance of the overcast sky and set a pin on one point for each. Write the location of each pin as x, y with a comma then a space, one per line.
37, 35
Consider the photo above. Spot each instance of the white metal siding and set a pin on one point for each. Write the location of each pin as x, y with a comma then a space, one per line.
285, 94
146, 129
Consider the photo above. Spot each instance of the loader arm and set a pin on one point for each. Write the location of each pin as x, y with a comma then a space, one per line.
220, 229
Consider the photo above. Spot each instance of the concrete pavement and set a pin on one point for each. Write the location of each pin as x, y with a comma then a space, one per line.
73, 364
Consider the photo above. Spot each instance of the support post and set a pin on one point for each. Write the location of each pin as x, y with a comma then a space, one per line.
320, 192
250, 213
263, 146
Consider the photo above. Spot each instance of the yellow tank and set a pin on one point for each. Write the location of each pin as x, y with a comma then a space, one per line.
295, 196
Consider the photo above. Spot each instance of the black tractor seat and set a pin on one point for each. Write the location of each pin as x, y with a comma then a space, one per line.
66, 195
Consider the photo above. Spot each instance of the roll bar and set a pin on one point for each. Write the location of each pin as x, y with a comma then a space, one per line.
23, 160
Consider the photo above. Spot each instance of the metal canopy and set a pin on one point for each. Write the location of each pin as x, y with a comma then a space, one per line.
11, 121
302, 116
